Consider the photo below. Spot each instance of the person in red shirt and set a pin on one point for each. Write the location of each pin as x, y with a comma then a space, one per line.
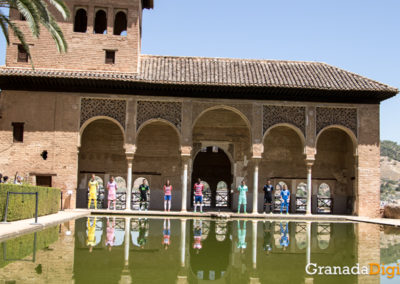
167, 195
198, 195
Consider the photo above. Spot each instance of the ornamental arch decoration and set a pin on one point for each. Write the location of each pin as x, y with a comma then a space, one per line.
167, 111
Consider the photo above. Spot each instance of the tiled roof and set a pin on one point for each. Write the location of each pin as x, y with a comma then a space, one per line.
200, 71
253, 73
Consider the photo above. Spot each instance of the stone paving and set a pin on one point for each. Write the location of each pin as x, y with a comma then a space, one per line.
14, 229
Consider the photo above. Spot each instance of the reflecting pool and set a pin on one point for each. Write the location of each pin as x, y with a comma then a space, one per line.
145, 250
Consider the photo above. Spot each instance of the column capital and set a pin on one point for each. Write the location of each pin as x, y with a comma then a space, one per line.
186, 151
309, 160
258, 150
130, 149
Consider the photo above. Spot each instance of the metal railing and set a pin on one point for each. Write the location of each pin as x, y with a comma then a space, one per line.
301, 204
22, 193
325, 205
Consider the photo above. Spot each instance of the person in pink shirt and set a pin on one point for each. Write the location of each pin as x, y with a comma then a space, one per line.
110, 234
167, 195
112, 192
198, 195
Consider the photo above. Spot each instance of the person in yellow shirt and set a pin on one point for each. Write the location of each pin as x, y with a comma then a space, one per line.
93, 186
91, 237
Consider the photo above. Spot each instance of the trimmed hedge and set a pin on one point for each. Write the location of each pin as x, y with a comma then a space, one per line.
23, 206
22, 247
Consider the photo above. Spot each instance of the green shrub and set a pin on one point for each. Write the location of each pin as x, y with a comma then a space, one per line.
23, 206
22, 247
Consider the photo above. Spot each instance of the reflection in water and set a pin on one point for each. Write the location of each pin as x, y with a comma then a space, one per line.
167, 233
128, 250
284, 240
91, 233
241, 244
110, 234
197, 235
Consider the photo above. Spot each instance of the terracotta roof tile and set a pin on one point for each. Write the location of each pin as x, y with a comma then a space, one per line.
225, 72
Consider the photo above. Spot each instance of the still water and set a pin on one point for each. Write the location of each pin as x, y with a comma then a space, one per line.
141, 250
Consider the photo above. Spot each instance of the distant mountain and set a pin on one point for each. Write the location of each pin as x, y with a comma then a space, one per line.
390, 149
390, 171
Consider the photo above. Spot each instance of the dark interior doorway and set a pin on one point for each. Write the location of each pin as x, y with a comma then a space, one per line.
213, 166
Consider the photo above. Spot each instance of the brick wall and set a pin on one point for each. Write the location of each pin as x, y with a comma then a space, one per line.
86, 51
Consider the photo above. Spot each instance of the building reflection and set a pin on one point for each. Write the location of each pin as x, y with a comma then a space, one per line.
193, 251
128, 250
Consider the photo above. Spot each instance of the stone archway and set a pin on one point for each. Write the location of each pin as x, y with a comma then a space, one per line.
102, 153
212, 165
157, 158
283, 160
335, 163
227, 130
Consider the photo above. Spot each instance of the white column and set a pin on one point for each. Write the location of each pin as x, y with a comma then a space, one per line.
309, 189
183, 242
129, 184
255, 188
308, 242
254, 243
127, 240
184, 185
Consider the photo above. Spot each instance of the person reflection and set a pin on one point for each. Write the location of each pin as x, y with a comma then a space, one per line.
110, 234
91, 237
284, 241
197, 232
143, 232
267, 237
242, 245
167, 233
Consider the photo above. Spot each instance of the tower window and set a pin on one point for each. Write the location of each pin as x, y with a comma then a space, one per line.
18, 131
110, 56
120, 23
80, 23
22, 54
22, 17
100, 22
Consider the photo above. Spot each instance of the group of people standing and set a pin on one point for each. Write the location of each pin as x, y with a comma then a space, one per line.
198, 189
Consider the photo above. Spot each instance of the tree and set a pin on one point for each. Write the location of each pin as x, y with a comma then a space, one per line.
36, 13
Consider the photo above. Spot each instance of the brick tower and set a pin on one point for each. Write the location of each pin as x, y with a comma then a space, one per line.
102, 35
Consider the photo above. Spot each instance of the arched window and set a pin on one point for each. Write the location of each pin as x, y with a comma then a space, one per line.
121, 183
301, 190
324, 190
100, 22
120, 24
80, 23
279, 187
99, 181
222, 194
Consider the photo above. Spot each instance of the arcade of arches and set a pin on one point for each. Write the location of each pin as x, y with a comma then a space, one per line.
223, 145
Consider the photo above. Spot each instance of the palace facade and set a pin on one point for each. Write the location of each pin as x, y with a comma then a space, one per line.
107, 109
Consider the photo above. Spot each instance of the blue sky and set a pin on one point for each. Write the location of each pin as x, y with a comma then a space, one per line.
362, 36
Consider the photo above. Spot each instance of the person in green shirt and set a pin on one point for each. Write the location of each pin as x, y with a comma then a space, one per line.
143, 189
242, 196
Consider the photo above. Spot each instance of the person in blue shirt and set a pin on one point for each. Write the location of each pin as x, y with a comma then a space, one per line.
284, 241
285, 198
